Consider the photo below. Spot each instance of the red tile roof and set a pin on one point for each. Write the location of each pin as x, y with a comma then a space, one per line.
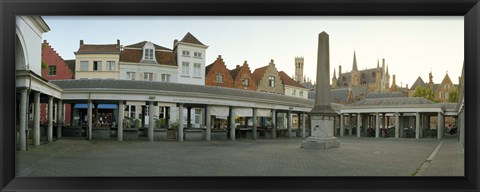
135, 56
289, 81
258, 73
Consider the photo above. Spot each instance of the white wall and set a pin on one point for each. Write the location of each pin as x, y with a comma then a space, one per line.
191, 79
156, 69
30, 36
289, 92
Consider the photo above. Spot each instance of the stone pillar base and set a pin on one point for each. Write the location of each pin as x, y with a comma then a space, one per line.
320, 143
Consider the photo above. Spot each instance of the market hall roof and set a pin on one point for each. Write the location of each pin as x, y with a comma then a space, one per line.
137, 87
398, 104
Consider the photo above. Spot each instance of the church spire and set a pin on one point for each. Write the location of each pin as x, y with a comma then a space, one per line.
334, 74
387, 70
378, 63
354, 68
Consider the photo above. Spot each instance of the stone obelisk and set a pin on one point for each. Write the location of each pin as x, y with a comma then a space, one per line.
322, 116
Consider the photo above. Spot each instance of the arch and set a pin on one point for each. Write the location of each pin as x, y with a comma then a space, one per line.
20, 51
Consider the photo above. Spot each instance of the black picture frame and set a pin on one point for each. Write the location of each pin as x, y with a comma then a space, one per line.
9, 8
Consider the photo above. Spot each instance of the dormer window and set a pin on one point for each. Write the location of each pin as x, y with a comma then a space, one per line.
149, 54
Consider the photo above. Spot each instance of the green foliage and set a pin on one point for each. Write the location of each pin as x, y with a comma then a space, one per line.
136, 122
425, 92
159, 123
453, 96
44, 65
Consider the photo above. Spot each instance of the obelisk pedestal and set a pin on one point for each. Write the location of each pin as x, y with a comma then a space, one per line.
322, 116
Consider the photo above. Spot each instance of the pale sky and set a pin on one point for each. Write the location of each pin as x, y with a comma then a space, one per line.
411, 46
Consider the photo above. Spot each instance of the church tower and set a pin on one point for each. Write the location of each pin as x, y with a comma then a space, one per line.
334, 80
298, 69
355, 75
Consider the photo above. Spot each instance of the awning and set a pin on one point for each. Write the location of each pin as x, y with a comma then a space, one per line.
100, 106
243, 112
264, 113
219, 110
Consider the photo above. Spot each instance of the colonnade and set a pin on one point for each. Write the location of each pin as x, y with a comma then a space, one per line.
369, 123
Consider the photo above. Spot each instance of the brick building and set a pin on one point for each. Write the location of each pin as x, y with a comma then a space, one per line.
243, 78
217, 74
54, 68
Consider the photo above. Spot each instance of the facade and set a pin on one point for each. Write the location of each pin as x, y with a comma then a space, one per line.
97, 61
291, 87
217, 74
54, 68
441, 91
146, 61
189, 54
375, 79
268, 80
243, 78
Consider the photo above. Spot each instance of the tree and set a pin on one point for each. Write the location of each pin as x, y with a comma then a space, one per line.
453, 96
424, 92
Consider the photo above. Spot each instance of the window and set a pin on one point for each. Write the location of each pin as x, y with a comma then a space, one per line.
301, 93
83, 65
52, 70
245, 82
186, 53
97, 65
131, 75
271, 81
148, 76
197, 69
111, 65
149, 54
185, 68
219, 78
197, 54
446, 86
147, 110
165, 77
294, 92
442, 95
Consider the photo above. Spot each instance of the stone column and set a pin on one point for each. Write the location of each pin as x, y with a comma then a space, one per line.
359, 121
417, 125
397, 125
254, 122
36, 118
303, 125
59, 118
89, 119
180, 122
342, 126
350, 124
400, 125
274, 124
189, 117
322, 116
151, 122
384, 121
120, 121
439, 129
50, 119
289, 123
208, 124
232, 124
377, 125
23, 120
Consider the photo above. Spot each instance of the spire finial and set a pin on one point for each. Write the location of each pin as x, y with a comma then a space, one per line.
354, 68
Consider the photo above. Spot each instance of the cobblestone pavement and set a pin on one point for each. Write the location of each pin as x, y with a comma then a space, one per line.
264, 157
448, 161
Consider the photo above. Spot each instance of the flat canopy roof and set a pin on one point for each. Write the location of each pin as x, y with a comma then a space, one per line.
396, 104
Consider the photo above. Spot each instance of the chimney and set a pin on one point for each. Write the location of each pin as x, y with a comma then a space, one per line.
118, 43
406, 86
174, 43
44, 41
238, 66
219, 56
81, 43
271, 61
